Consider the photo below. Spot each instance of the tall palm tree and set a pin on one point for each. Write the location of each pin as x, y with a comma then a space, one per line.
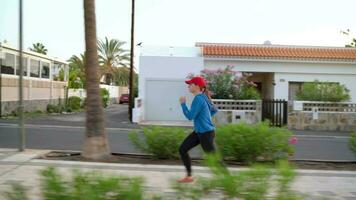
39, 48
77, 62
122, 76
112, 55
77, 69
96, 144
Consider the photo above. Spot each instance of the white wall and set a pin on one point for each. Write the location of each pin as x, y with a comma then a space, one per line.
114, 91
292, 71
158, 67
282, 79
283, 67
165, 68
80, 92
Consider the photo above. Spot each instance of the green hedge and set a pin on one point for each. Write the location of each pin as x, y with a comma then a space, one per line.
254, 183
352, 142
161, 142
249, 143
240, 142
82, 186
54, 108
250, 184
104, 93
323, 91
74, 104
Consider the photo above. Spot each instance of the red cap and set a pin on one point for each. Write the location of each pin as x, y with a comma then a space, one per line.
199, 81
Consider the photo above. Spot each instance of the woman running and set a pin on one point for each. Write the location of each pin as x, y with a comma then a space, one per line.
200, 112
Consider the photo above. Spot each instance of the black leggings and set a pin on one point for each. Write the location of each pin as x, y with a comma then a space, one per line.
205, 139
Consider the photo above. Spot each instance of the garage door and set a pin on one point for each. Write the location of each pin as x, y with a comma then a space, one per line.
162, 100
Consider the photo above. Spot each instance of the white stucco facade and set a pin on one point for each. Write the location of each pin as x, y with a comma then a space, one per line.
291, 71
162, 75
161, 82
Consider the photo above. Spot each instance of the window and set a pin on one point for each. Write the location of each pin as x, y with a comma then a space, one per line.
58, 72
34, 68
294, 89
45, 70
8, 64
24, 63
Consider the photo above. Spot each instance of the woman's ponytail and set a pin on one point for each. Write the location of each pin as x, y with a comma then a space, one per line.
207, 93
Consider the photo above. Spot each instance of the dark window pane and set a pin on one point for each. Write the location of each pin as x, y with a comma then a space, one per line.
294, 89
34, 68
8, 64
24, 63
45, 70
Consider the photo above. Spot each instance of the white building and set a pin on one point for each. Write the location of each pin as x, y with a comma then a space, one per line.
279, 71
45, 79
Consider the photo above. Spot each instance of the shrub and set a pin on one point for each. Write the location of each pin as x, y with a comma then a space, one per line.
323, 91
104, 93
352, 142
83, 103
285, 176
83, 186
17, 192
248, 93
221, 83
54, 108
74, 103
251, 184
161, 142
14, 113
228, 84
248, 143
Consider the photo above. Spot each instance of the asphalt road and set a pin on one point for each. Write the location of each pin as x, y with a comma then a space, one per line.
66, 132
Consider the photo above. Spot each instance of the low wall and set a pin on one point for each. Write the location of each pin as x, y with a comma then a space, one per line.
115, 92
322, 116
10, 107
37, 93
230, 116
330, 121
235, 111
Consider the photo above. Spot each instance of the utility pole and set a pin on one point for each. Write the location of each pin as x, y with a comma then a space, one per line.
131, 87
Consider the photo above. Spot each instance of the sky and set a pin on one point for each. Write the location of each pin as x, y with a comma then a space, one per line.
58, 24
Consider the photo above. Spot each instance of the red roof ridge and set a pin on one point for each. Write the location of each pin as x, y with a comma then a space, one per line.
281, 51
201, 44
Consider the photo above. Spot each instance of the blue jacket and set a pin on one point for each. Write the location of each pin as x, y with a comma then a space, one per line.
201, 112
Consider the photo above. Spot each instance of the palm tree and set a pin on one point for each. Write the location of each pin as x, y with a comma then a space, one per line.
121, 76
96, 144
76, 70
77, 63
112, 55
39, 48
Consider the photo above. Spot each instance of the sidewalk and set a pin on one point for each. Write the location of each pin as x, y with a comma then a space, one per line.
23, 167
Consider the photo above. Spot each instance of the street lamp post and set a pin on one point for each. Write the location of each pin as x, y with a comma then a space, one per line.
131, 87
21, 106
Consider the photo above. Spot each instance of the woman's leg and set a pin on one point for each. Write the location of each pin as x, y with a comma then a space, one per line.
207, 141
189, 142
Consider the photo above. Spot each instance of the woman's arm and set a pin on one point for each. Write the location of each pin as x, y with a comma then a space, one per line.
194, 110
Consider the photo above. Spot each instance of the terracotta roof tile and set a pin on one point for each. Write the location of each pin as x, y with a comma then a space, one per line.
280, 51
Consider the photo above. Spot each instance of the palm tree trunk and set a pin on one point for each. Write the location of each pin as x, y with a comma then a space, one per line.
96, 145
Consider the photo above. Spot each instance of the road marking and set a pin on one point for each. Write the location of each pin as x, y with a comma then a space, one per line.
7, 125
322, 136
